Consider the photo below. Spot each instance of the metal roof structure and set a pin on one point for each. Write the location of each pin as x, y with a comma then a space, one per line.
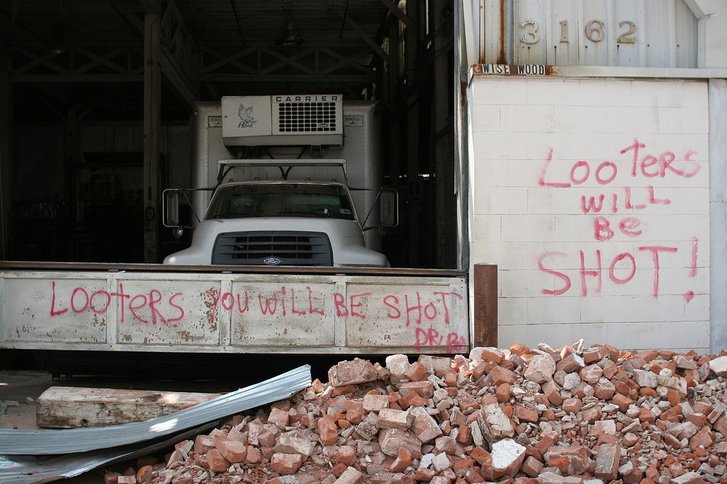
133, 71
209, 48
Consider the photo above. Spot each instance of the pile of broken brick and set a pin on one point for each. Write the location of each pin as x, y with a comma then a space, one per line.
567, 415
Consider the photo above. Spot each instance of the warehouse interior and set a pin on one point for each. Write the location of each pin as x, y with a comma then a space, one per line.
97, 97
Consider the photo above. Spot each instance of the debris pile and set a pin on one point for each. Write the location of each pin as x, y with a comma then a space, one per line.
544, 415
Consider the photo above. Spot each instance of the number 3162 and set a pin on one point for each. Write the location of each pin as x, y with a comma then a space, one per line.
594, 30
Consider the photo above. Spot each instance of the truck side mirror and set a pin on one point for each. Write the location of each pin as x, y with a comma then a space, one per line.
170, 204
389, 207
176, 210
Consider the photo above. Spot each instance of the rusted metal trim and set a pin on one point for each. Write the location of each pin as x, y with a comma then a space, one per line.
501, 55
584, 72
485, 305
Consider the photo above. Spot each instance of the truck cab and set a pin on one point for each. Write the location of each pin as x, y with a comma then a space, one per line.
306, 223
294, 181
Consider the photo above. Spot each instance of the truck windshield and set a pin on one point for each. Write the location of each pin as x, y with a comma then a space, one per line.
281, 200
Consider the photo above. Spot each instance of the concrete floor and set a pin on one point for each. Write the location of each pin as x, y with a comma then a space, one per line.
23, 387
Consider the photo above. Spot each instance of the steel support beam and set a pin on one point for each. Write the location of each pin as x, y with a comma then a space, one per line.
394, 64
461, 134
78, 65
71, 156
177, 79
394, 133
152, 121
371, 42
76, 78
5, 153
178, 52
443, 149
396, 11
354, 79
261, 64
411, 106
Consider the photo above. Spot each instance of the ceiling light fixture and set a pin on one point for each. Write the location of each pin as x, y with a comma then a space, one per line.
291, 36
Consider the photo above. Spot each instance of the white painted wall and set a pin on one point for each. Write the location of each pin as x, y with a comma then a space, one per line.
526, 212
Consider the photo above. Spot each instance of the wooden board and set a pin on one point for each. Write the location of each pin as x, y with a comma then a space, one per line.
72, 407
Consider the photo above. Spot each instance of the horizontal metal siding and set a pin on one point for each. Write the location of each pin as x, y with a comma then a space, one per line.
634, 33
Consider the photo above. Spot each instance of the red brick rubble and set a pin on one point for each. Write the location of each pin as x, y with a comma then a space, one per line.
524, 416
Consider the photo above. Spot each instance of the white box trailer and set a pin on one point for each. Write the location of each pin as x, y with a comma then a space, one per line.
285, 168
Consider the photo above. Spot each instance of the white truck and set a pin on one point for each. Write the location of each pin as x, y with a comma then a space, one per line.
281, 167
219, 296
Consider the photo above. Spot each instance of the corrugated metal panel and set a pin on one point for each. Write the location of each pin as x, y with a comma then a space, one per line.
593, 32
27, 469
630, 51
493, 39
563, 43
635, 33
658, 32
686, 34
68, 441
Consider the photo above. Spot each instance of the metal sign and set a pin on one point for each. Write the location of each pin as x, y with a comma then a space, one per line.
513, 70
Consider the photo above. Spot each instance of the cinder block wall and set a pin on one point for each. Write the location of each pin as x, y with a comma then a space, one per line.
592, 197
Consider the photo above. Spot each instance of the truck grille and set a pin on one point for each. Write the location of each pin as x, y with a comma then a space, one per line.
273, 248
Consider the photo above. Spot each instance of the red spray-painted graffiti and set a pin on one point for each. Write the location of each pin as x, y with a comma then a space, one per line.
620, 269
161, 309
413, 310
425, 315
454, 342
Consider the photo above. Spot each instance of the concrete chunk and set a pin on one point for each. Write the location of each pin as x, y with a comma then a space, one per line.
397, 366
495, 425
719, 366
540, 369
507, 457
294, 442
646, 378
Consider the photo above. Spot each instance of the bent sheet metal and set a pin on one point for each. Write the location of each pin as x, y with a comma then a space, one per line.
50, 445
